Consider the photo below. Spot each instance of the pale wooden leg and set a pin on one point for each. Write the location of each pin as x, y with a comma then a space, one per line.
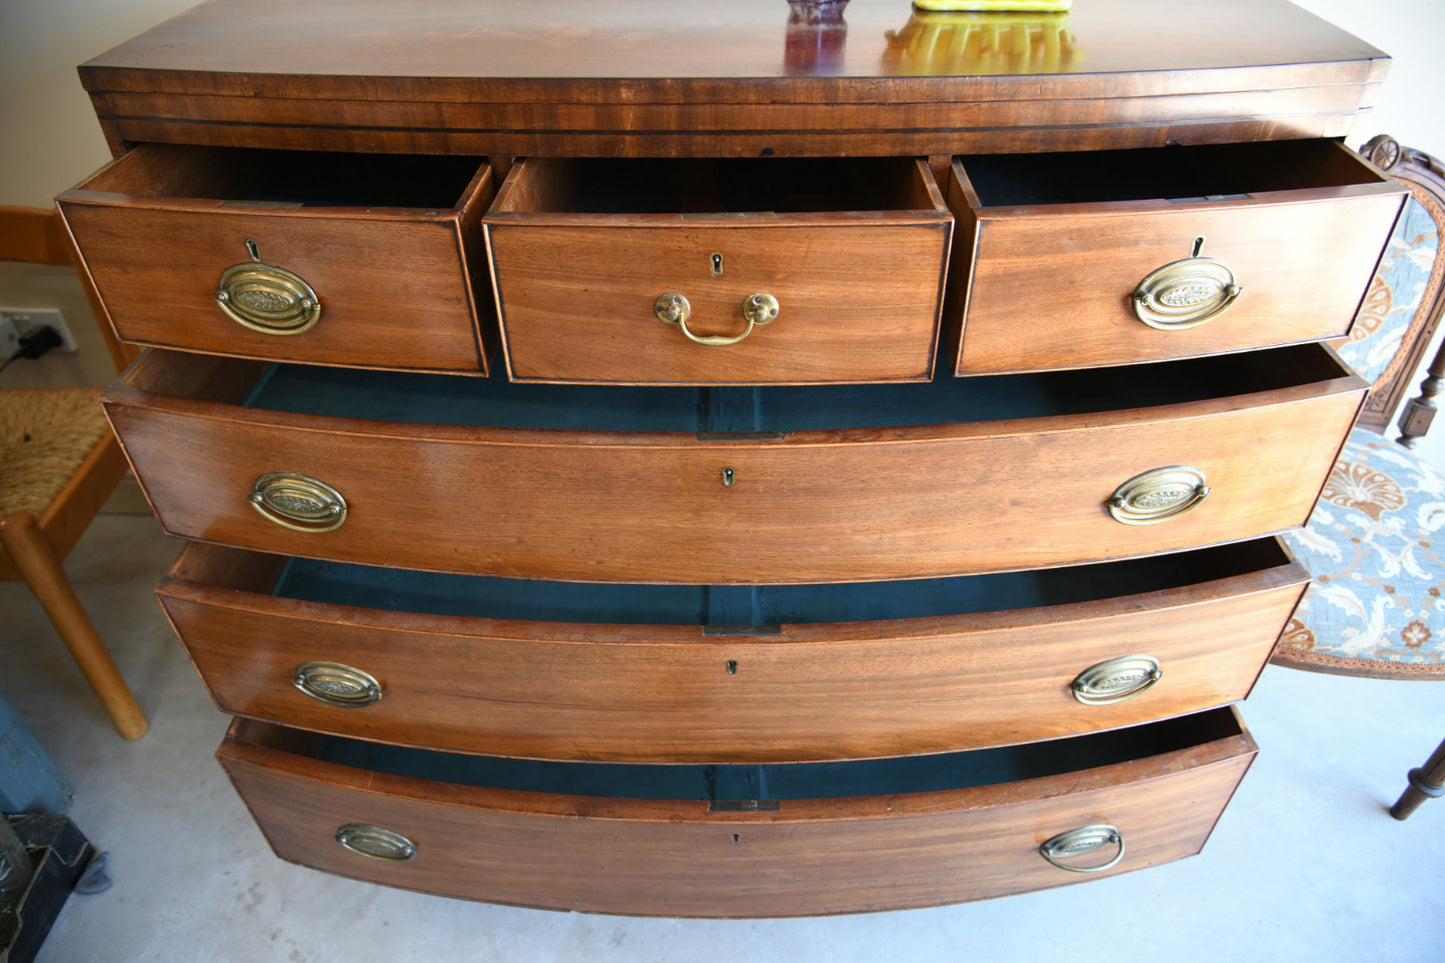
1425, 783
28, 548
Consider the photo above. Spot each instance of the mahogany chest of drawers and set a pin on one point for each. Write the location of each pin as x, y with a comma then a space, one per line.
829, 444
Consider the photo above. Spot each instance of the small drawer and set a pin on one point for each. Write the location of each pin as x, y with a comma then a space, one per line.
737, 840
741, 485
1100, 258
712, 673
784, 271
339, 259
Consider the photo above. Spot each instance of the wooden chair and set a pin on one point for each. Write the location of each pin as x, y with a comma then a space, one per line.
59, 462
1374, 542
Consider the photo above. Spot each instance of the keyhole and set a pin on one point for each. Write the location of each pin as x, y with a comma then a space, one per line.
728, 477
251, 249
732, 667
717, 264
1198, 246
737, 837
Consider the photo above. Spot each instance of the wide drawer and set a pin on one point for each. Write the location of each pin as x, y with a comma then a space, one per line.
1101, 258
710, 673
739, 841
660, 485
719, 271
345, 259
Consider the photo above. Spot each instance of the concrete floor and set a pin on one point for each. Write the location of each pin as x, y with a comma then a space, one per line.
1304, 864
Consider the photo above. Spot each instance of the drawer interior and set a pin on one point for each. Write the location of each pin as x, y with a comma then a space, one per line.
430, 399
287, 178
714, 186
741, 607
1165, 173
784, 781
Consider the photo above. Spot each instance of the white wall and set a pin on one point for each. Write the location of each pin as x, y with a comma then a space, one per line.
1413, 33
52, 140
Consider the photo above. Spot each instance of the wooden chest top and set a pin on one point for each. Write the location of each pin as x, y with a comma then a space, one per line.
740, 78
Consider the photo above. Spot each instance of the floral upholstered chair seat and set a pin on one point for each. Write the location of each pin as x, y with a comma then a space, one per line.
1374, 546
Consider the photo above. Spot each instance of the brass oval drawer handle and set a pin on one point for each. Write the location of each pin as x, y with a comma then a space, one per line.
1158, 495
298, 502
376, 843
1186, 293
1115, 680
337, 685
673, 308
1085, 839
268, 299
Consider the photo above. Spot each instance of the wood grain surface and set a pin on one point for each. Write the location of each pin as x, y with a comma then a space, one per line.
811, 506
1065, 272
634, 692
396, 286
859, 292
659, 78
674, 858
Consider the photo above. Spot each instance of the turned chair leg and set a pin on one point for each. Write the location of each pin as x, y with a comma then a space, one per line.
28, 548
1425, 783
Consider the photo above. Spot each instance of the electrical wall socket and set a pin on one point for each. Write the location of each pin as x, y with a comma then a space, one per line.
15, 323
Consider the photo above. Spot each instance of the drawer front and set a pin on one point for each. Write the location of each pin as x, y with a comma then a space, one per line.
394, 288
808, 857
1068, 274
638, 692
846, 297
813, 506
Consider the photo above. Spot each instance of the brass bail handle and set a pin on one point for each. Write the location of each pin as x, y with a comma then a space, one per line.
1186, 293
337, 684
1116, 680
298, 502
374, 842
265, 298
674, 308
1085, 839
1158, 495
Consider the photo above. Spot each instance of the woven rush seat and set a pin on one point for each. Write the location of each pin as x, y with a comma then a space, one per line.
45, 436
58, 464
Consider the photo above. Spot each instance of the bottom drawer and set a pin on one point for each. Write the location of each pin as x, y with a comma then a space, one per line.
741, 841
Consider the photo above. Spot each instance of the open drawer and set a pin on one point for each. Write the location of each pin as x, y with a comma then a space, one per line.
1079, 259
346, 259
711, 673
776, 271
721, 486
742, 841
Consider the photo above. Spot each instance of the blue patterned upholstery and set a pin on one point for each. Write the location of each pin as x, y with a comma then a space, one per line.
1394, 294
1372, 544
